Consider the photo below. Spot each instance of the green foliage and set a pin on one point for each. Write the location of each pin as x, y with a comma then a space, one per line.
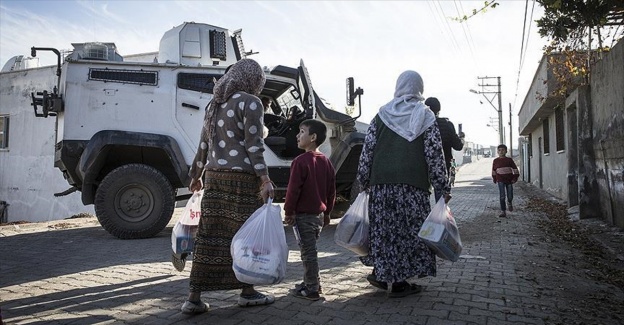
568, 19
578, 30
486, 5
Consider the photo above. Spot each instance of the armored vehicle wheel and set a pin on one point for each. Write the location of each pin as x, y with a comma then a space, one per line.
134, 201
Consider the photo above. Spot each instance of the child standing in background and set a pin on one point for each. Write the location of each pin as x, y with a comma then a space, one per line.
504, 173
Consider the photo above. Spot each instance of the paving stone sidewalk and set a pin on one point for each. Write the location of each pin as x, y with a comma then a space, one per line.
74, 272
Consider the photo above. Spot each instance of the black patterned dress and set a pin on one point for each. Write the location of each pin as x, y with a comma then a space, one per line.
396, 213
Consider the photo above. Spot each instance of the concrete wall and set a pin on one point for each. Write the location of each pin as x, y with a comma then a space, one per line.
552, 178
28, 178
607, 96
589, 172
538, 103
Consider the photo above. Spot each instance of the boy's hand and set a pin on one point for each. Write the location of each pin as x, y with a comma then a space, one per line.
290, 220
326, 220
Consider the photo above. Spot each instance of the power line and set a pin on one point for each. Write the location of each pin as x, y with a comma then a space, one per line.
467, 35
524, 46
441, 28
448, 26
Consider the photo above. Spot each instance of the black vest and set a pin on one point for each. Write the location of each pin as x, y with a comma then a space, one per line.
398, 161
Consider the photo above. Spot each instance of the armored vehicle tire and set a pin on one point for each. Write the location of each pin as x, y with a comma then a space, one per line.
134, 201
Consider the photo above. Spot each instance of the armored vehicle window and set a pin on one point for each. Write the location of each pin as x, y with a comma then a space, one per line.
140, 77
197, 81
4, 132
218, 48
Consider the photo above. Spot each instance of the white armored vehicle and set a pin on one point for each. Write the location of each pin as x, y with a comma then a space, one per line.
127, 131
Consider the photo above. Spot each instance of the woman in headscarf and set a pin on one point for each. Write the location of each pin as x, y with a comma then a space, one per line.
230, 159
401, 158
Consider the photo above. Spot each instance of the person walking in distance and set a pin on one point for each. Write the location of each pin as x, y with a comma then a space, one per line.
310, 198
450, 139
504, 173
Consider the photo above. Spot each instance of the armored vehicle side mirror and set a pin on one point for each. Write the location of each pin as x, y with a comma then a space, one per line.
350, 90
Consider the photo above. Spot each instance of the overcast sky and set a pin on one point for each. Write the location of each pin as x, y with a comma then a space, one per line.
371, 41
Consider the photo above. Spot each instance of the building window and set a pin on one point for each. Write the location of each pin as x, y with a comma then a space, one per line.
530, 146
4, 131
546, 136
559, 129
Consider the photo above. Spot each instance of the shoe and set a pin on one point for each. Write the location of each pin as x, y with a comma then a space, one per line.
305, 294
179, 261
255, 299
510, 207
302, 285
403, 289
502, 215
372, 279
194, 308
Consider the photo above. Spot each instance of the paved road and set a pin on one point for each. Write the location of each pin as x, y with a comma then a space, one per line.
73, 272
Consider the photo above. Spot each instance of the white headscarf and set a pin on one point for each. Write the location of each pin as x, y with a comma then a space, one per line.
406, 114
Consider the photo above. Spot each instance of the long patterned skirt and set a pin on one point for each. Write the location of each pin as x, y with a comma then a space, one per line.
230, 197
396, 212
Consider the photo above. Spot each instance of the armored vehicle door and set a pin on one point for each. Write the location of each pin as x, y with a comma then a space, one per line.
307, 92
193, 93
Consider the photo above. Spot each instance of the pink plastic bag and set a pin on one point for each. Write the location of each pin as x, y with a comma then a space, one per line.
184, 231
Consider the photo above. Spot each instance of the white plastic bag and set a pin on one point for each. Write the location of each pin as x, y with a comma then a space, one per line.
352, 231
259, 250
184, 231
440, 233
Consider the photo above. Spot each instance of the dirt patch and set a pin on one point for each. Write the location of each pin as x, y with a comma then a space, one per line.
576, 269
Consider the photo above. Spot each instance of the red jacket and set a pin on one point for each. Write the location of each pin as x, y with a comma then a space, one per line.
311, 186
504, 170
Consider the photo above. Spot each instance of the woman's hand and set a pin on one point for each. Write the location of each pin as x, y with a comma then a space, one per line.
196, 185
266, 189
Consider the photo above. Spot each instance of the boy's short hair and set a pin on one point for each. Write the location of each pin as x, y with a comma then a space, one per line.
502, 146
316, 127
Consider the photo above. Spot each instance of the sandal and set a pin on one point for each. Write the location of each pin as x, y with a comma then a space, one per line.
404, 289
372, 279
190, 307
255, 299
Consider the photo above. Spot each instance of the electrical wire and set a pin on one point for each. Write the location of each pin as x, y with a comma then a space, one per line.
448, 26
435, 15
467, 35
523, 47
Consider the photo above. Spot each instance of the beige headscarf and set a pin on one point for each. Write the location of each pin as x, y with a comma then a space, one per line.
245, 75
406, 114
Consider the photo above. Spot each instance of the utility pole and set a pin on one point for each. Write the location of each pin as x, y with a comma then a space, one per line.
510, 134
499, 110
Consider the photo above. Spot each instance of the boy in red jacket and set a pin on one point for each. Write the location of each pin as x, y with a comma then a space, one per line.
310, 198
505, 173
